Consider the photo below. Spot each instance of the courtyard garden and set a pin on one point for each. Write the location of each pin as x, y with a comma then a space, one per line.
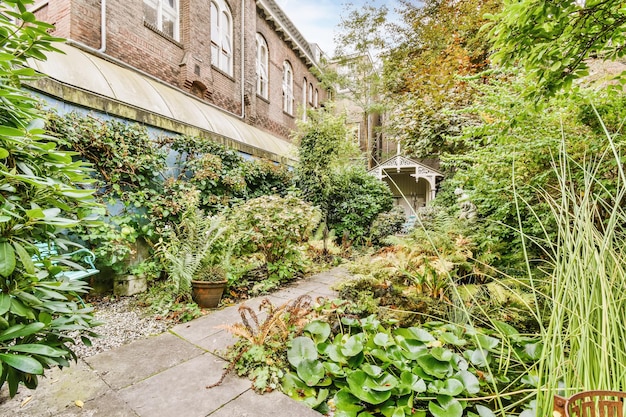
491, 315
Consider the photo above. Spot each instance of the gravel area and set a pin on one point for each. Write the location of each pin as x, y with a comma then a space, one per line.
124, 321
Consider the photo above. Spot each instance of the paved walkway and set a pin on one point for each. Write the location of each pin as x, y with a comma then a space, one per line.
166, 375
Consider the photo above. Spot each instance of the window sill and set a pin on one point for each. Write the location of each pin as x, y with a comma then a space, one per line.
162, 34
265, 99
225, 74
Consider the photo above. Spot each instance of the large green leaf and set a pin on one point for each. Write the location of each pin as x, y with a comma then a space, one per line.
353, 345
434, 367
37, 349
446, 407
5, 302
413, 382
359, 383
22, 363
469, 380
302, 348
319, 330
450, 387
310, 371
415, 333
21, 330
25, 258
7, 259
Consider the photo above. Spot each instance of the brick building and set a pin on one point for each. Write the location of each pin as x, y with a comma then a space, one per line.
236, 71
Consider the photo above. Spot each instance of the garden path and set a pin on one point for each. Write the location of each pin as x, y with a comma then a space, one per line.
166, 375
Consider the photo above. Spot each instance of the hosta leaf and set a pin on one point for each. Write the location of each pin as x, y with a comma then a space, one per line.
412, 382
434, 367
22, 363
310, 371
353, 346
415, 333
470, 381
445, 407
319, 330
484, 411
360, 389
383, 340
302, 348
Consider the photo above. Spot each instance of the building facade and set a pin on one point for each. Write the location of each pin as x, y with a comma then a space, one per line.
244, 58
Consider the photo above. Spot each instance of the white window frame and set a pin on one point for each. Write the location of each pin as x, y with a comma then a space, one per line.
311, 93
287, 88
262, 65
221, 36
304, 87
163, 9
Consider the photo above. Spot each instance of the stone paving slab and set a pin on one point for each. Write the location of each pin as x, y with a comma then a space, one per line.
55, 393
166, 375
273, 404
181, 390
142, 358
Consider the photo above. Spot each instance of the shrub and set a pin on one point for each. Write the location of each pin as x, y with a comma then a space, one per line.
275, 227
387, 224
42, 192
355, 198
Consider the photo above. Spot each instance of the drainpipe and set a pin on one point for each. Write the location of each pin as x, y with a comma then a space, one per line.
242, 47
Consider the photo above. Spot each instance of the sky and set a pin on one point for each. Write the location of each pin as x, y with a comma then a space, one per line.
317, 20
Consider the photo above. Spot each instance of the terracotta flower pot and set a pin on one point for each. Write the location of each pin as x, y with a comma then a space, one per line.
207, 294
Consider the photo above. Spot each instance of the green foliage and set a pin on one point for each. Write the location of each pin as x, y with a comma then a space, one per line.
387, 224
374, 370
552, 41
191, 249
513, 148
42, 192
356, 198
275, 227
438, 46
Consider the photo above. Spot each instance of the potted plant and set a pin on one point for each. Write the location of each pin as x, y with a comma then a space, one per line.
191, 255
208, 285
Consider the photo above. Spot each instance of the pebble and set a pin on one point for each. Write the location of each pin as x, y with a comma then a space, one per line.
123, 321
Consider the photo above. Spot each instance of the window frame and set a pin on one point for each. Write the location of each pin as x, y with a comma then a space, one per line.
221, 37
262, 67
164, 10
288, 88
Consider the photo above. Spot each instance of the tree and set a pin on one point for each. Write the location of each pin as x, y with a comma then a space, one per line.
355, 74
42, 191
552, 40
437, 46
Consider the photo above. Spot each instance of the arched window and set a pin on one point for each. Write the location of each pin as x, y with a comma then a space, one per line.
287, 88
221, 36
304, 84
262, 79
316, 102
311, 94
162, 15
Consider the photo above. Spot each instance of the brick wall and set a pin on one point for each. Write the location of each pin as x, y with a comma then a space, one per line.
186, 62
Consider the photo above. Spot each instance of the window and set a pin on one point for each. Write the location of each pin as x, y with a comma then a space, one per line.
261, 66
311, 93
304, 84
315, 100
221, 37
163, 15
287, 88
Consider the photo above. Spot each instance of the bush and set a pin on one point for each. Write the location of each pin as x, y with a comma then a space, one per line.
387, 224
355, 199
42, 192
275, 227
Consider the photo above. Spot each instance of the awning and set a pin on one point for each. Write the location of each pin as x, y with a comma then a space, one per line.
90, 81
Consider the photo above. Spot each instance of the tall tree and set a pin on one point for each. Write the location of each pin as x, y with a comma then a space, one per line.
356, 75
437, 44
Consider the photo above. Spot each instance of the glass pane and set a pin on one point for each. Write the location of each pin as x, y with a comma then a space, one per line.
168, 26
150, 14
